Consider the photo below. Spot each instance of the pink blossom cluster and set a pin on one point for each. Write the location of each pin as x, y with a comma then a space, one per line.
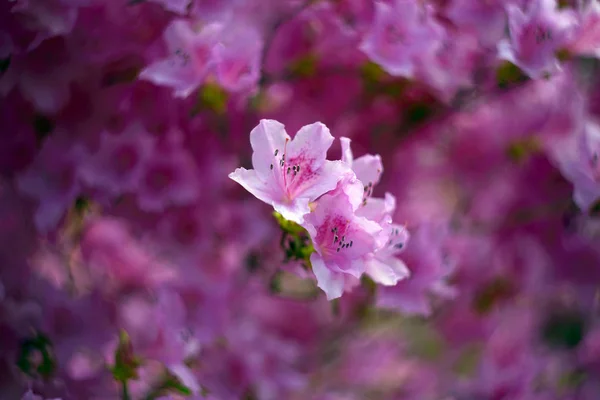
351, 232
135, 265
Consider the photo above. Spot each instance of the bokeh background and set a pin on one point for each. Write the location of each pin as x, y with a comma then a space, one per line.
132, 267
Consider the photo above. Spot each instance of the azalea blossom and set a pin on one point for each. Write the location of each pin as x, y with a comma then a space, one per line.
289, 174
400, 34
536, 35
383, 265
342, 241
189, 59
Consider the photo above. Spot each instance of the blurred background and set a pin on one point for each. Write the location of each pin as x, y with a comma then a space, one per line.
132, 267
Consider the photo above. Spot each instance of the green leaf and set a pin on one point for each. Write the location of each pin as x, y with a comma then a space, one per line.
169, 385
37, 345
491, 294
126, 364
43, 127
304, 67
508, 74
211, 97
572, 379
288, 226
468, 360
564, 329
4, 64
119, 76
520, 150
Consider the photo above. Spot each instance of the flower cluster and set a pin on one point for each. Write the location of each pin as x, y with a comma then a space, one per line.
351, 232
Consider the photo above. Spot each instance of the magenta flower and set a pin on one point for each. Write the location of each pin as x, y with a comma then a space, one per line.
400, 34
118, 164
289, 174
189, 60
578, 158
48, 18
536, 36
52, 180
169, 178
485, 19
342, 241
587, 38
238, 59
367, 168
383, 265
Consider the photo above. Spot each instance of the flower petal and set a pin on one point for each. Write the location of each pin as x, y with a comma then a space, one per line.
319, 182
251, 182
293, 211
368, 169
268, 141
347, 156
310, 145
332, 283
386, 271
173, 73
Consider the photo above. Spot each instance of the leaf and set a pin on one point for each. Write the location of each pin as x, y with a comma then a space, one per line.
304, 67
564, 329
508, 74
288, 226
126, 363
29, 348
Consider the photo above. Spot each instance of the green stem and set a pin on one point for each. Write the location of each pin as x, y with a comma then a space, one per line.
125, 392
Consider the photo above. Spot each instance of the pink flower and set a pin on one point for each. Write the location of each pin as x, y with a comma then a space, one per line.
115, 259
484, 20
289, 174
400, 34
169, 178
48, 18
43, 76
51, 180
238, 59
117, 166
382, 265
536, 36
367, 168
342, 241
587, 38
578, 158
428, 271
189, 60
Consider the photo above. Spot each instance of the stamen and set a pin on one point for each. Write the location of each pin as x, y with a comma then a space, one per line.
271, 166
276, 152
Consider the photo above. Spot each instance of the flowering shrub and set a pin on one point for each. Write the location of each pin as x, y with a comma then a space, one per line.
300, 199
